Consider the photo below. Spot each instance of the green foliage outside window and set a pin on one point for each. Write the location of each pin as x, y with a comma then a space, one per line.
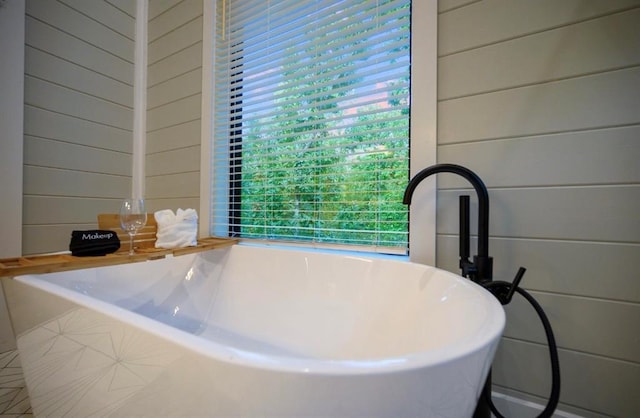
328, 162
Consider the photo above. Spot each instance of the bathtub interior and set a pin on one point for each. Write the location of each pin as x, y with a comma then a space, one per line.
307, 305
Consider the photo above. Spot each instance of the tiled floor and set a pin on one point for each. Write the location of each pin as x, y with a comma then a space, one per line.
14, 399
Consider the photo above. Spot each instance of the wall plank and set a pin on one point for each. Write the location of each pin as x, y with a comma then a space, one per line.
104, 12
173, 137
174, 185
554, 213
605, 328
55, 154
602, 385
82, 27
171, 19
591, 269
174, 113
174, 161
606, 156
46, 38
42, 210
64, 73
596, 101
491, 21
176, 64
57, 182
597, 45
156, 204
447, 5
185, 85
46, 124
157, 7
39, 93
127, 6
175, 41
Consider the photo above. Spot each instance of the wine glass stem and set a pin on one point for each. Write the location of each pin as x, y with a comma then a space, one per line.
131, 243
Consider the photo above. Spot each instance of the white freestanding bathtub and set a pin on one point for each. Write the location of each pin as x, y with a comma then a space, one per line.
254, 332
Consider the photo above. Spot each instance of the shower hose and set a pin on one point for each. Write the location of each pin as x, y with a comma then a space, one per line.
503, 291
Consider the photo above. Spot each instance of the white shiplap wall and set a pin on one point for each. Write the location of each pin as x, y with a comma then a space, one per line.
542, 100
77, 116
174, 104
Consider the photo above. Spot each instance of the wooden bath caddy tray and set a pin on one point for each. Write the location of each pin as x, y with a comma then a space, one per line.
37, 264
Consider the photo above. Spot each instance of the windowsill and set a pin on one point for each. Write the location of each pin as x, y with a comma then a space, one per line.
324, 248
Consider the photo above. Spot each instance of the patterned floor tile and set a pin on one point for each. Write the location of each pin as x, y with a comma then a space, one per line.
9, 359
14, 399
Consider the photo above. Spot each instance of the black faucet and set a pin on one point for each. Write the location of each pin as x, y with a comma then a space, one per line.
481, 272
481, 268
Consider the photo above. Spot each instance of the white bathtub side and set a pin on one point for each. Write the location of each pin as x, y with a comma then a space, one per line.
79, 362
85, 356
320, 305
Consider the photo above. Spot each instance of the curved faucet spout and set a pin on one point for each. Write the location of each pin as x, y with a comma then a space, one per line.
483, 264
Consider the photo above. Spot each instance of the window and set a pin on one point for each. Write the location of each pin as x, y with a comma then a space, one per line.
311, 121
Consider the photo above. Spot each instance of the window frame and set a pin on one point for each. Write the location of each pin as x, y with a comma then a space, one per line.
422, 128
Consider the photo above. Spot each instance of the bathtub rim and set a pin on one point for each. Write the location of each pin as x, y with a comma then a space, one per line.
485, 337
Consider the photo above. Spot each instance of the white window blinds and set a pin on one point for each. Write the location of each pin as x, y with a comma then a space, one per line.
311, 121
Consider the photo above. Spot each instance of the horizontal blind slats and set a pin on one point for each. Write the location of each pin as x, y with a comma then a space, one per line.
311, 104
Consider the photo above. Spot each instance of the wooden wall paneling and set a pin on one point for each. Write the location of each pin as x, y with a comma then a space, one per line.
112, 16
174, 104
46, 124
165, 139
49, 96
44, 37
603, 44
56, 154
541, 100
174, 17
56, 182
603, 156
82, 27
78, 116
173, 161
174, 185
591, 269
174, 113
491, 21
157, 7
593, 326
41, 210
448, 5
67, 74
595, 101
184, 85
575, 213
155, 204
127, 6
602, 385
175, 41
176, 64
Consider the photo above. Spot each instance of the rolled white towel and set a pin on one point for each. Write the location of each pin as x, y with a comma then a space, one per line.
176, 230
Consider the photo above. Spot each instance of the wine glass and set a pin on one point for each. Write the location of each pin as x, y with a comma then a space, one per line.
133, 217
